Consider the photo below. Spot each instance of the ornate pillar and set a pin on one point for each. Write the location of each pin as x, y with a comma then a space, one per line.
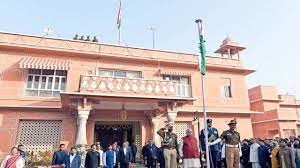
155, 126
82, 117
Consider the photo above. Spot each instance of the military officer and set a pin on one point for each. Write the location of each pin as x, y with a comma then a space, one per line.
232, 145
215, 150
170, 145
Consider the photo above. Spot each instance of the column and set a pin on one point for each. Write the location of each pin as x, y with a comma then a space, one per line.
229, 54
155, 126
82, 117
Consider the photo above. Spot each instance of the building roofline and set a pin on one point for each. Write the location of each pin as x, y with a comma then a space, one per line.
99, 43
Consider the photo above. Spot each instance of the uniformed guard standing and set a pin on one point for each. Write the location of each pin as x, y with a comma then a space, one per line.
215, 150
170, 146
232, 145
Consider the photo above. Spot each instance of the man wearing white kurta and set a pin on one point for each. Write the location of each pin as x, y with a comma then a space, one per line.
100, 152
253, 159
188, 150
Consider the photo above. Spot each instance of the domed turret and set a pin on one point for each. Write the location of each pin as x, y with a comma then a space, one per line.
229, 48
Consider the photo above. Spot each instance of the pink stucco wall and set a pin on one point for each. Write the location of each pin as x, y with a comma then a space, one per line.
87, 57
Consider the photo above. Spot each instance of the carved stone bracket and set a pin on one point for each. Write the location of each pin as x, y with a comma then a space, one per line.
171, 110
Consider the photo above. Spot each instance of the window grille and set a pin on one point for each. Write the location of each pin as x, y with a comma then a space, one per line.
179, 128
39, 135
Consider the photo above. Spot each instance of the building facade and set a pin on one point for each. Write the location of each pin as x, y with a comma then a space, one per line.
77, 92
279, 114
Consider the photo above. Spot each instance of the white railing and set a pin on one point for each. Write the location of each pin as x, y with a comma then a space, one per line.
131, 86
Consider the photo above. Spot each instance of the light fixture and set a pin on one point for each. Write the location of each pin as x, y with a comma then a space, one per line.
123, 113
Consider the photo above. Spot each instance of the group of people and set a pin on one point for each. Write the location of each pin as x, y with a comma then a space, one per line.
16, 158
114, 157
271, 153
226, 150
249, 153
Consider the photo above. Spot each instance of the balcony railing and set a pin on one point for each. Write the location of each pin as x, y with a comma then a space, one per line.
127, 86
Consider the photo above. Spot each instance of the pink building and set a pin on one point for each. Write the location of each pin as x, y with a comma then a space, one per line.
77, 92
279, 115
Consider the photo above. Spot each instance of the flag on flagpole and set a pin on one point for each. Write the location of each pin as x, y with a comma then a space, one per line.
119, 15
202, 50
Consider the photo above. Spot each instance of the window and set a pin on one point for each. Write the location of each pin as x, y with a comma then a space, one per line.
226, 88
120, 73
183, 88
227, 91
45, 83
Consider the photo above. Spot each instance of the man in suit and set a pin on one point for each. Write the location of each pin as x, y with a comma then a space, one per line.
143, 154
125, 156
92, 159
263, 154
151, 154
160, 156
134, 151
60, 156
74, 159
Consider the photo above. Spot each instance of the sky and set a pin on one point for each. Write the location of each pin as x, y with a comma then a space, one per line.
270, 29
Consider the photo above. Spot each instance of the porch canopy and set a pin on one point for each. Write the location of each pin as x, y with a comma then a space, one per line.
45, 63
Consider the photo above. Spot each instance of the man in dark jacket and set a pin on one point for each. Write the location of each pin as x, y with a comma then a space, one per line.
133, 151
151, 154
263, 155
245, 154
60, 156
92, 159
125, 156
74, 159
160, 156
143, 153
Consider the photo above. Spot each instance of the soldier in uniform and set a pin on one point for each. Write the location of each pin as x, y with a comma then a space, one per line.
170, 146
232, 145
215, 150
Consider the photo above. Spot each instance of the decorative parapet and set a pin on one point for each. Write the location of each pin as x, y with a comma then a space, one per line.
218, 61
128, 86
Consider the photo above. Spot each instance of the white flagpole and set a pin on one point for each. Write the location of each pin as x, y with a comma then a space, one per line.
119, 41
200, 29
119, 20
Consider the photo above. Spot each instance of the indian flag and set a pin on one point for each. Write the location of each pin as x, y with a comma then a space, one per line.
202, 49
119, 15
